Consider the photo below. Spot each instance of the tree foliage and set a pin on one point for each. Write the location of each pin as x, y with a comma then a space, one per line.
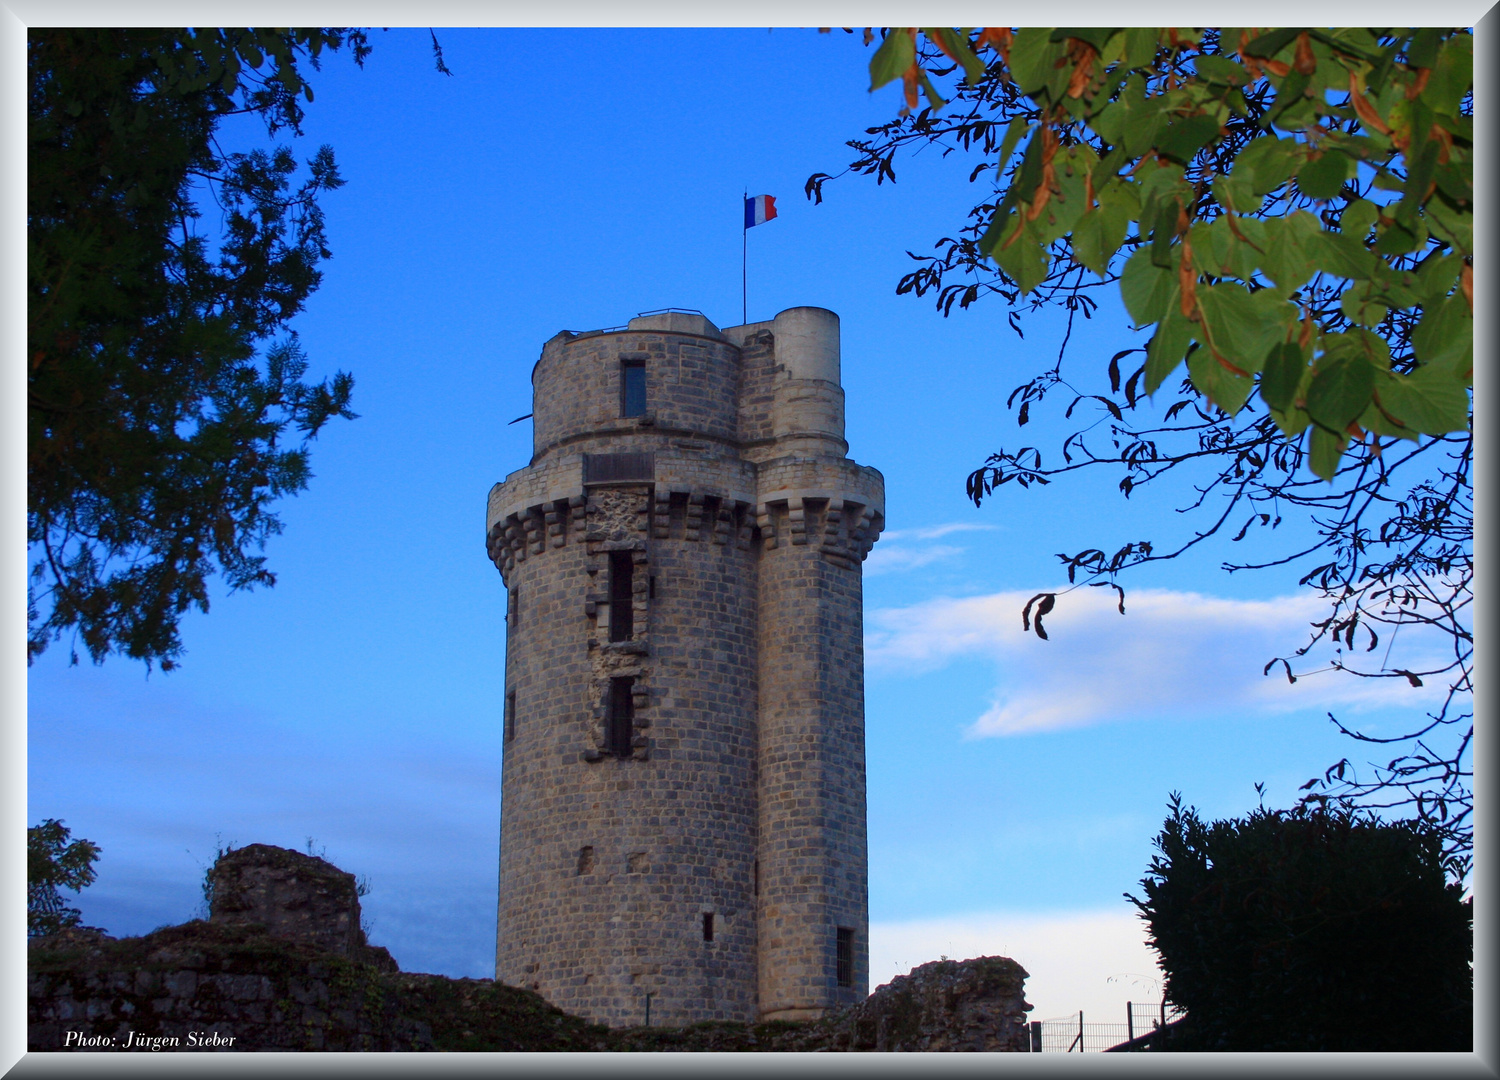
1314, 929
1287, 215
53, 863
167, 405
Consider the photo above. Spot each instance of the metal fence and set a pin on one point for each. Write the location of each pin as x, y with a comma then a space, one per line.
1076, 1035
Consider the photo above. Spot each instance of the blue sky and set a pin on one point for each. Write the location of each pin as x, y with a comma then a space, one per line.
571, 179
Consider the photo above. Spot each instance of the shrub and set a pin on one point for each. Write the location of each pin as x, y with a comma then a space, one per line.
1310, 929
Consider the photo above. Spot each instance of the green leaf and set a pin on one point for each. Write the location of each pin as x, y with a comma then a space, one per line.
1397, 239
1221, 71
1140, 46
1217, 252
1244, 327
1358, 219
1025, 261
1362, 310
1452, 77
1216, 382
1268, 45
1099, 233
1097, 36
1013, 133
1292, 421
1324, 450
1029, 175
1423, 50
1131, 121
1147, 289
1456, 180
1287, 258
1268, 162
895, 55
1289, 94
1429, 400
1323, 176
1071, 167
1282, 375
1235, 192
1454, 226
1167, 348
1444, 338
1341, 389
1033, 63
1377, 420
1341, 254
1158, 182
1436, 278
1110, 122
1163, 231
1184, 138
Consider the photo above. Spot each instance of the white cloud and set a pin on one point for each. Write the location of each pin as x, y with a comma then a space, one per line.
897, 551
1090, 960
935, 532
1174, 653
885, 560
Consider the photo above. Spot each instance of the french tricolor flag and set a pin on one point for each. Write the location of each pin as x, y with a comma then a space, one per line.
759, 210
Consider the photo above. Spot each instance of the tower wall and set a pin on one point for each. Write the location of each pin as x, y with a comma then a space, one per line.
613, 858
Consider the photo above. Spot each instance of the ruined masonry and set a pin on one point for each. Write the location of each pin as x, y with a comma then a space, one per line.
683, 815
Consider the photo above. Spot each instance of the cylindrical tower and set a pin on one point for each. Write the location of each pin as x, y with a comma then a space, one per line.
818, 512
638, 857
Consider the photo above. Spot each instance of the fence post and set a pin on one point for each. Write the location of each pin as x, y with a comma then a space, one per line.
1129, 1022
1036, 1036
1080, 1031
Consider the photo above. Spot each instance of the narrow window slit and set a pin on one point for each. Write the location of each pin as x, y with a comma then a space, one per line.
708, 926
632, 388
621, 596
621, 708
844, 956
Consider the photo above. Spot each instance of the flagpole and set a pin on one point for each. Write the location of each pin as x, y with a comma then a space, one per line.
744, 263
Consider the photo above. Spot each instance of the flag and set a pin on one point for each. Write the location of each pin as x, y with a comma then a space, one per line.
759, 210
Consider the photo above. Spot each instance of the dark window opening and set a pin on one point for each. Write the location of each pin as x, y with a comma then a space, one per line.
585, 861
513, 607
621, 715
651, 587
844, 956
632, 388
621, 596
510, 716
757, 877
708, 926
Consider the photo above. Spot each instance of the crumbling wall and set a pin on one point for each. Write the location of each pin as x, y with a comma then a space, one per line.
945, 1005
211, 987
281, 964
294, 896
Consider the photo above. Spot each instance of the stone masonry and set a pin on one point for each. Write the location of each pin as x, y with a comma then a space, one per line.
683, 799
292, 895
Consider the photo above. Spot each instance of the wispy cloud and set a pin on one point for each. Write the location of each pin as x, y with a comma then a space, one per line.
936, 532
1174, 653
909, 549
887, 560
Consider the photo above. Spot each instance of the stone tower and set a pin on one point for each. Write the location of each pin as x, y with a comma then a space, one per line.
683, 802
